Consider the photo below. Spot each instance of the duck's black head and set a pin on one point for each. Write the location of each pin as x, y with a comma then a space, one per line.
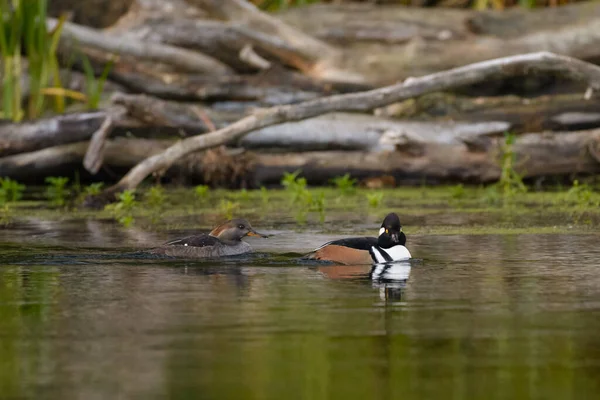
391, 234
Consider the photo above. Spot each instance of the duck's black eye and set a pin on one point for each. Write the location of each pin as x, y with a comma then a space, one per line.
241, 226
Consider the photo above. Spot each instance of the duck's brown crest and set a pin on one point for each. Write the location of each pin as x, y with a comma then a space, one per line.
219, 229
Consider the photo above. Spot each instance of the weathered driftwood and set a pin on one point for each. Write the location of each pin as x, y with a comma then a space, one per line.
186, 60
347, 131
306, 53
555, 113
30, 136
413, 161
537, 154
572, 30
568, 67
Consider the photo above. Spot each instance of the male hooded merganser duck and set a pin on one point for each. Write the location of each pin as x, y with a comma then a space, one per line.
389, 246
224, 240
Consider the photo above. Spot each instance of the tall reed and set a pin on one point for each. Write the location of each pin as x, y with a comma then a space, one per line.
24, 35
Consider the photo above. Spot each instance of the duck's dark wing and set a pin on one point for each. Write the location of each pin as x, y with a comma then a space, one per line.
358, 243
202, 240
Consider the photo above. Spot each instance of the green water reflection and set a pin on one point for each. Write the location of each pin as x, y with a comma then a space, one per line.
486, 316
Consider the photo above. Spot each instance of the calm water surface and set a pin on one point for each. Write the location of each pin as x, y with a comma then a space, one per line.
481, 316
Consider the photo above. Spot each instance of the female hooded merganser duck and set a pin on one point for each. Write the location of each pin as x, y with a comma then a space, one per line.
224, 240
389, 246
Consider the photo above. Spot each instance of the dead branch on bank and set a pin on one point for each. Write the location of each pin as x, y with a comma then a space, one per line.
364, 101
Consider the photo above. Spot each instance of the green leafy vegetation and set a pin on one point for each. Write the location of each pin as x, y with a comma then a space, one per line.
10, 190
344, 184
294, 185
374, 199
510, 185
303, 199
155, 197
229, 208
57, 191
582, 195
93, 189
201, 191
123, 209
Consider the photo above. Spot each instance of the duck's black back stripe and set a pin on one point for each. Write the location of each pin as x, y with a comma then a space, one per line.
382, 252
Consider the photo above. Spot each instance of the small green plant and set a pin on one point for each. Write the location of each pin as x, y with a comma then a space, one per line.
93, 189
94, 86
123, 209
155, 197
201, 191
264, 195
457, 192
344, 184
10, 190
581, 193
294, 185
243, 195
317, 203
227, 208
57, 191
374, 199
510, 182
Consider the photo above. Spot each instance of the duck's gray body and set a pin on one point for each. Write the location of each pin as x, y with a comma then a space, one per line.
202, 246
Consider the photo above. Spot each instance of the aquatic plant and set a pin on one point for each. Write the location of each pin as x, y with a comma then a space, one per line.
23, 32
457, 192
295, 186
57, 191
264, 195
344, 184
123, 209
201, 191
243, 195
374, 199
227, 208
155, 197
511, 183
10, 190
582, 194
94, 87
93, 189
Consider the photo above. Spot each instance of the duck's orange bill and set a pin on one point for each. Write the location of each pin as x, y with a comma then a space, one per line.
255, 234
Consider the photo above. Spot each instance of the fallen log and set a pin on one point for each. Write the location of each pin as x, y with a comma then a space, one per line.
569, 67
311, 56
73, 34
536, 155
34, 135
459, 36
347, 131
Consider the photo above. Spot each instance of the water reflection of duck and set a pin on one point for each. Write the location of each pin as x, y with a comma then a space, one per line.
389, 246
224, 240
391, 279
